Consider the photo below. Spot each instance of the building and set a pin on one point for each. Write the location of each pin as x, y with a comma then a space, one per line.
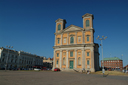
47, 62
113, 63
18, 59
74, 47
126, 67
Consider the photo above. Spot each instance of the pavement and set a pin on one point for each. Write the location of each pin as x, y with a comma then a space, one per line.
58, 78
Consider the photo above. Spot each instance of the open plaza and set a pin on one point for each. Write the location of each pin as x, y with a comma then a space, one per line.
58, 78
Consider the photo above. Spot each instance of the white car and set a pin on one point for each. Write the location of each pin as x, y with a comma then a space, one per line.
37, 69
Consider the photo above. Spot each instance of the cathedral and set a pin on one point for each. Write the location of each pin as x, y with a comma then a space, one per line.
74, 48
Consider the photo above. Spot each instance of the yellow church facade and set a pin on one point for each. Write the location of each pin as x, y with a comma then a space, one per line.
74, 47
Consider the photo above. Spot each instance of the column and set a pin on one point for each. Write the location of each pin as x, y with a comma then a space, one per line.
76, 37
75, 58
83, 58
92, 58
92, 36
67, 38
60, 60
61, 39
83, 37
67, 59
54, 60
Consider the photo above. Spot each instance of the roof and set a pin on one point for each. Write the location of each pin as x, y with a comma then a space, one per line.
126, 66
112, 58
87, 15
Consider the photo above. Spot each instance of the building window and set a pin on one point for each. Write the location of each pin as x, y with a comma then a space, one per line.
71, 54
11, 60
87, 23
15, 56
57, 54
58, 41
3, 60
71, 40
3, 54
59, 27
57, 62
87, 53
87, 38
15, 61
12, 56
87, 62
79, 61
79, 39
64, 40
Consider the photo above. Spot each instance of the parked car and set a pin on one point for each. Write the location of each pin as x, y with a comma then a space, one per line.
56, 69
14, 68
43, 69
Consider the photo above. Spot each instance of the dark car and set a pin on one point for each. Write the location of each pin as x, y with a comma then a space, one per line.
56, 69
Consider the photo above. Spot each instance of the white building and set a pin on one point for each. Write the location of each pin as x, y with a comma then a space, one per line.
18, 59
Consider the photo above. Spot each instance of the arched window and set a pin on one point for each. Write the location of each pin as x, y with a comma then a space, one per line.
59, 27
87, 23
63, 61
79, 61
87, 38
72, 39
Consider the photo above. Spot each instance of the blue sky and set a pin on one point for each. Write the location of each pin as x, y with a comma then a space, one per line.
24, 24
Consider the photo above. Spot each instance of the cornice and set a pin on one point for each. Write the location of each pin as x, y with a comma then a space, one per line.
88, 15
64, 31
61, 20
73, 26
74, 45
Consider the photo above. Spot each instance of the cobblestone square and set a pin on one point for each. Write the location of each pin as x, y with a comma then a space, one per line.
58, 78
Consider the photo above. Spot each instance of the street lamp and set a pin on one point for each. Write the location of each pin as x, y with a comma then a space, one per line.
102, 38
8, 47
121, 56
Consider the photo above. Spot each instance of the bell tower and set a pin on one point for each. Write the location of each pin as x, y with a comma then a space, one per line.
88, 21
60, 25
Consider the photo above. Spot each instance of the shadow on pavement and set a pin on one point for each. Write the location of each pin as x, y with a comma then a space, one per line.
106, 75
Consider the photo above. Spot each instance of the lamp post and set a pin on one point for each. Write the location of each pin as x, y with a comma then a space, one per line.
102, 38
8, 47
121, 56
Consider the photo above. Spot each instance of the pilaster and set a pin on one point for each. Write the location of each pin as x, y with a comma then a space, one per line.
67, 59
92, 36
75, 58
67, 38
61, 39
60, 58
76, 37
83, 37
83, 59
54, 60
92, 57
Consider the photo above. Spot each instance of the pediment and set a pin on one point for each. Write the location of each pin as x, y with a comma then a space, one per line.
72, 28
